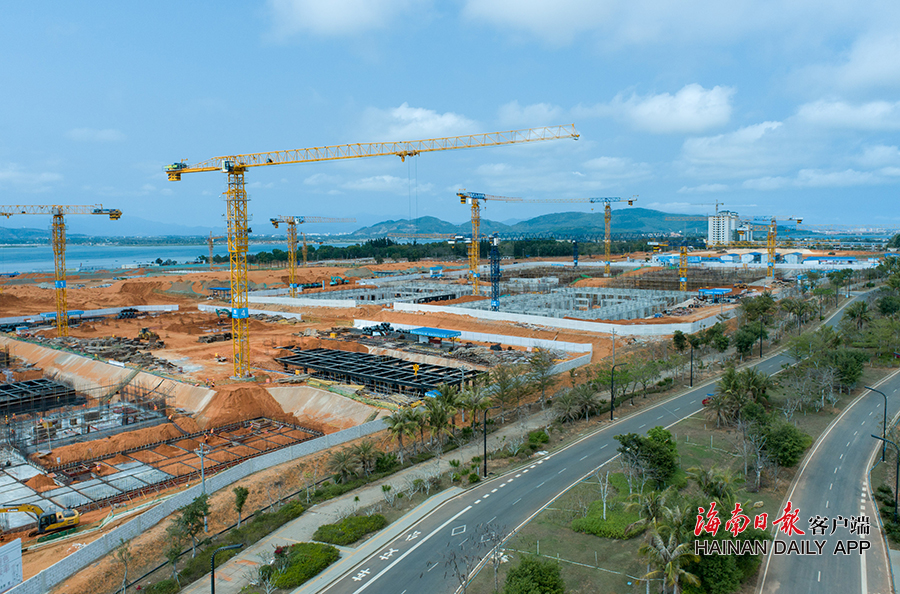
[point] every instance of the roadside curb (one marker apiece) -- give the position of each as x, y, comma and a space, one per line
337, 570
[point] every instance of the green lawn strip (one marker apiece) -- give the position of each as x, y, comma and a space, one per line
349, 530
300, 562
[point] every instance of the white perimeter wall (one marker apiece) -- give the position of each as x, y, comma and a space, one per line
637, 329
283, 314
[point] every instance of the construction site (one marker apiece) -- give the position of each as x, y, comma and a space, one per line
122, 391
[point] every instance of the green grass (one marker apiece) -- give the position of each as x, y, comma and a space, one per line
349, 530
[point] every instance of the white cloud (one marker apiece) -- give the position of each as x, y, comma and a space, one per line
703, 188
384, 183
618, 23
692, 109
871, 62
815, 178
92, 135
875, 115
879, 155
617, 168
750, 151
14, 176
334, 18
321, 179
538, 114
412, 123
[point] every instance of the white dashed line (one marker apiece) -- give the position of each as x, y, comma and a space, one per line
829, 486
492, 519
486, 495
642, 426
561, 471
509, 481
826, 505
524, 471
493, 490
540, 485
583, 457
659, 417
842, 457
477, 502
518, 475
517, 500
604, 445
503, 485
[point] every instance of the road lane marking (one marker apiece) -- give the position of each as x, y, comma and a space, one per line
492, 519
493, 490
432, 567
829, 487
501, 486
842, 457
659, 417
848, 444
583, 457
518, 475
524, 471
477, 502
642, 426
692, 401
561, 471
517, 500
835, 470
820, 577
826, 505
509, 481
855, 432
540, 485
486, 495
604, 445
413, 548
677, 409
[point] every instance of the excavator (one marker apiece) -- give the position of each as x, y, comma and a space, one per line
47, 521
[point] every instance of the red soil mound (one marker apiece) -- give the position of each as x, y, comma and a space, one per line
108, 446
241, 402
41, 483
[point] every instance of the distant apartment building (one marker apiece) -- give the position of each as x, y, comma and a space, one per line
722, 227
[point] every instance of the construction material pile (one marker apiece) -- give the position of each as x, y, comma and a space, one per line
124, 350
491, 357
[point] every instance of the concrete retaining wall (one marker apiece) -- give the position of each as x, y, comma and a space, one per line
571, 364
95, 312
304, 301
266, 312
600, 327
61, 570
569, 347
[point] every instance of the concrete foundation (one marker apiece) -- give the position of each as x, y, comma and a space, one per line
408, 293
589, 303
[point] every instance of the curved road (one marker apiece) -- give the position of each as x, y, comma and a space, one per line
414, 562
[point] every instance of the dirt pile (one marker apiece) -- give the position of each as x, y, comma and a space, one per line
41, 483
107, 446
241, 402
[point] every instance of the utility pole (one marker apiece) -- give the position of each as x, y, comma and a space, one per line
202, 451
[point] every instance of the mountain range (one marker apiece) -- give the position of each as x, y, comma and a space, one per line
631, 220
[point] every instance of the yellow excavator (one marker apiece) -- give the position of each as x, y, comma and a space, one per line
47, 521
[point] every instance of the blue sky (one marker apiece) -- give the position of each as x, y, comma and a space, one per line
785, 108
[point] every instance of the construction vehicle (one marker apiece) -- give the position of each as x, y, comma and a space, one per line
58, 241
217, 337
223, 312
292, 223
150, 336
47, 521
236, 166
337, 280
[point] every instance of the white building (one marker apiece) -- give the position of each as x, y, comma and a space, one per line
722, 227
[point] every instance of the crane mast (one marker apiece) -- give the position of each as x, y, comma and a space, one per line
235, 166
58, 241
292, 223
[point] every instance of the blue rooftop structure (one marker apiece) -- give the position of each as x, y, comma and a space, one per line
435, 333
715, 292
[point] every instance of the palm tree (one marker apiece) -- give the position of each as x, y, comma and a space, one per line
438, 417
858, 313
718, 407
473, 399
755, 383
566, 405
715, 483
449, 397
649, 506
399, 427
365, 455
418, 420
343, 464
669, 557
586, 400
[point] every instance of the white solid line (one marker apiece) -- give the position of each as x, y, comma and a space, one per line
413, 548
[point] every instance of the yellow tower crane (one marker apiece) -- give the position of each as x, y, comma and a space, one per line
236, 166
210, 241
58, 241
474, 199
292, 223
770, 224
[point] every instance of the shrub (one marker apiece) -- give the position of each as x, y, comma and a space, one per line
169, 586
302, 561
349, 530
538, 437
473, 478
534, 575
386, 462
786, 443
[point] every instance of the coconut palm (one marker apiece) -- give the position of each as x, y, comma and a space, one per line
400, 426
858, 313
449, 398
586, 400
565, 405
669, 557
755, 384
649, 506
418, 420
507, 386
365, 455
473, 399
343, 464
715, 483
438, 416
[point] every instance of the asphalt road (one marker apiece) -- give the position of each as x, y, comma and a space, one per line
416, 561
832, 484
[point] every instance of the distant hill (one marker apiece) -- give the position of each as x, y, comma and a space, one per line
626, 220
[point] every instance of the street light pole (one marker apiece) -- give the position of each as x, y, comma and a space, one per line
212, 565
202, 451
612, 390
896, 472
884, 427
485, 437
692, 364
